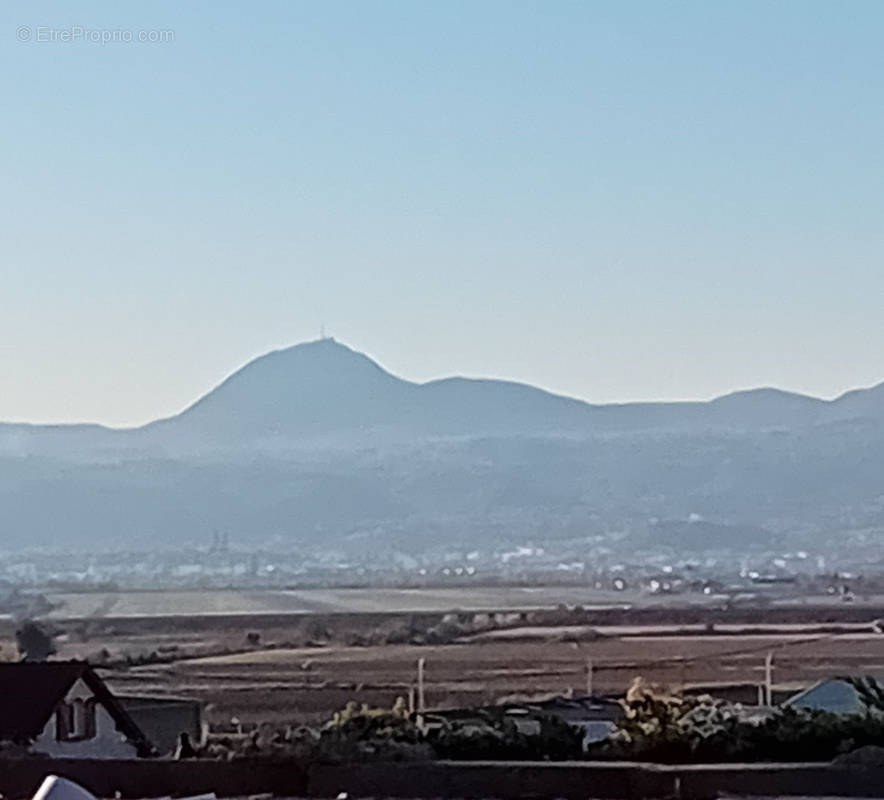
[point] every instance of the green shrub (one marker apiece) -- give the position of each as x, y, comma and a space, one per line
666, 728
497, 737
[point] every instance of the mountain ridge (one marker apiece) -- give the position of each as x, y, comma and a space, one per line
333, 367
330, 386
317, 443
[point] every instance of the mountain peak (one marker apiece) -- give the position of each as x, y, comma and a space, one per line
325, 346
307, 386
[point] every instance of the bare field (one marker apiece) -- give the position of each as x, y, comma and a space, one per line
310, 683
243, 653
70, 605
301, 602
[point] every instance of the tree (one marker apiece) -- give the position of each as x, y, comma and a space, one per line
870, 692
34, 642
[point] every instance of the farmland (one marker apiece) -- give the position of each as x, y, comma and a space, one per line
293, 656
297, 602
310, 683
328, 601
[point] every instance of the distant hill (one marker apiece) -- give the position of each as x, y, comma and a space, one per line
324, 387
319, 442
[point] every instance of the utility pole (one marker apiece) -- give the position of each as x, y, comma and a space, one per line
421, 698
768, 679
589, 677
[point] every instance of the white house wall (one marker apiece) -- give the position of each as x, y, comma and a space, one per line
108, 742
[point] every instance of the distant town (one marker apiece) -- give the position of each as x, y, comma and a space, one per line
597, 563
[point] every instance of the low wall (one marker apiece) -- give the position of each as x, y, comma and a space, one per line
490, 779
19, 778
702, 781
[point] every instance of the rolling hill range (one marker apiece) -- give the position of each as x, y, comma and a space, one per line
319, 443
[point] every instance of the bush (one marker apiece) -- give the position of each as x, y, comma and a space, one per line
34, 641
354, 734
359, 733
666, 728
498, 737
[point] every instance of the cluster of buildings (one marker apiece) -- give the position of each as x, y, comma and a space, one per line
593, 562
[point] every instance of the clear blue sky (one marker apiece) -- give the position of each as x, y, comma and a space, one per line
612, 200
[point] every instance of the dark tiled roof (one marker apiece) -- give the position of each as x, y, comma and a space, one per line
31, 691
585, 706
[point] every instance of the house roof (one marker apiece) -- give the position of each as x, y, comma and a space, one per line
31, 691
830, 694
837, 694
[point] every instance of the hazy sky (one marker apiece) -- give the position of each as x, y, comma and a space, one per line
611, 200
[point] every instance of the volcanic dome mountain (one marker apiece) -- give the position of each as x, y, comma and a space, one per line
325, 387
317, 441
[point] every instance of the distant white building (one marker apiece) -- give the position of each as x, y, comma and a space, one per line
64, 710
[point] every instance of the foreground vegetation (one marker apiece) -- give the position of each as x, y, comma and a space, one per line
364, 734
657, 726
